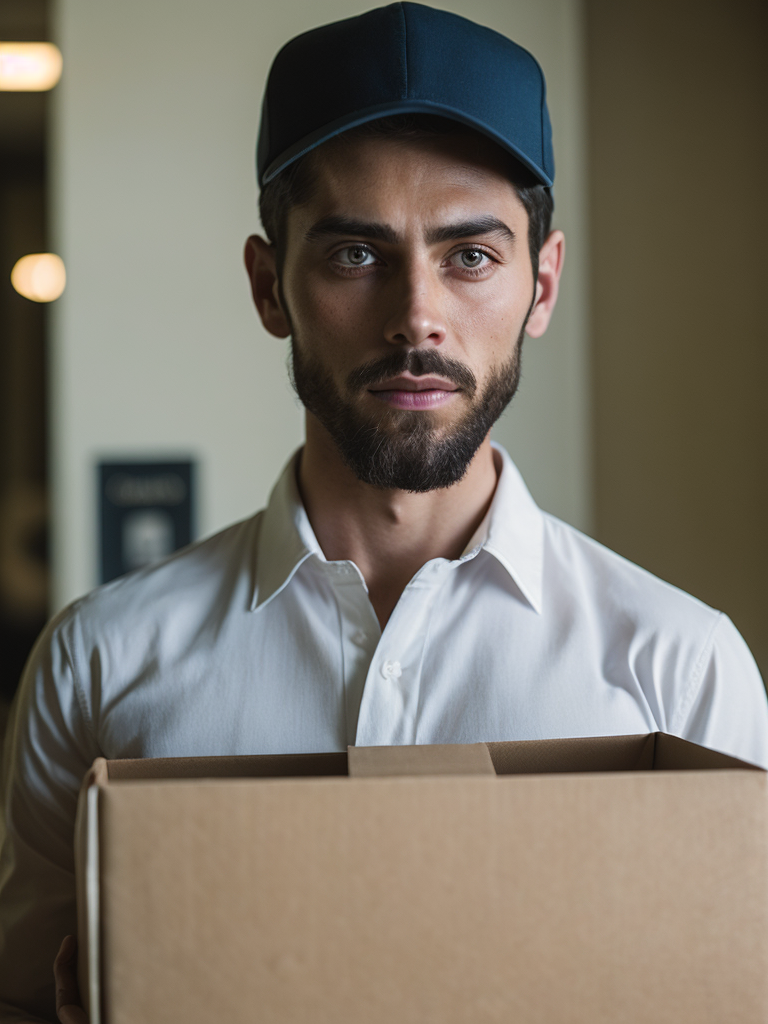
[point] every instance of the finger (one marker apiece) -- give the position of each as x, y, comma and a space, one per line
67, 950
67, 992
72, 1015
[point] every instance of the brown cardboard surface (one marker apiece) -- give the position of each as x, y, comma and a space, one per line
561, 898
435, 759
86, 883
674, 754
651, 751
581, 754
242, 766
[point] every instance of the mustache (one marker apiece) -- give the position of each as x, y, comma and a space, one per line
419, 364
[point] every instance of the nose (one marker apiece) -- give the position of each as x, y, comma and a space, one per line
416, 315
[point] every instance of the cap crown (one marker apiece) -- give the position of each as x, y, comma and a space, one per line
404, 58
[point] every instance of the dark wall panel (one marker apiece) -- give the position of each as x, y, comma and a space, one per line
677, 97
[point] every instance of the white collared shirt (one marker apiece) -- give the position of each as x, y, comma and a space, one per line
252, 642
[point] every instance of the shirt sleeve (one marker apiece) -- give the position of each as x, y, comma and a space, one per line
726, 707
48, 748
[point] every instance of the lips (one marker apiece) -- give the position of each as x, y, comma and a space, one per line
415, 392
414, 384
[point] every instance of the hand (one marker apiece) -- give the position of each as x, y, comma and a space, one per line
68, 1007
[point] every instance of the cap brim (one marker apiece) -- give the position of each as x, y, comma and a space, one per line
343, 124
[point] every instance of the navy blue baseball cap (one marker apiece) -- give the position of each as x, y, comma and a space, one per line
403, 59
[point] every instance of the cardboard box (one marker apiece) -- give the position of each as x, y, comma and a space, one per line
621, 880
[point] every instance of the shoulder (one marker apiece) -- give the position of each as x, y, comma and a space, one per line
688, 658
618, 590
180, 592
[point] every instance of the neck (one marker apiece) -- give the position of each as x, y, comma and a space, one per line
389, 534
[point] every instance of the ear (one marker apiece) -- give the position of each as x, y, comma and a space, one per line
262, 273
547, 284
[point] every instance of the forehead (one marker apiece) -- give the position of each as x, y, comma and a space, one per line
407, 182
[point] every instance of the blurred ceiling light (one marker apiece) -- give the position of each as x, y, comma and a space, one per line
40, 276
29, 67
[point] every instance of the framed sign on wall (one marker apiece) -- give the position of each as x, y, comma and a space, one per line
145, 513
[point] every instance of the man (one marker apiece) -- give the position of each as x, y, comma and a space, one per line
402, 586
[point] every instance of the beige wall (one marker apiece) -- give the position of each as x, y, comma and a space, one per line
156, 349
677, 99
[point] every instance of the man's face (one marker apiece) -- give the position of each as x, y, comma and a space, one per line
407, 282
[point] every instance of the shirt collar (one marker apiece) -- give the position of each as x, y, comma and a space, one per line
286, 539
512, 532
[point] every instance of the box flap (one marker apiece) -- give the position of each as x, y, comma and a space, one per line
436, 759
675, 754
647, 752
240, 767
87, 887
579, 754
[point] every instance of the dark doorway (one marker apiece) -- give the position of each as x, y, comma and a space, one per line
23, 360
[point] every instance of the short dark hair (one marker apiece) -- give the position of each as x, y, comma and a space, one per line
294, 185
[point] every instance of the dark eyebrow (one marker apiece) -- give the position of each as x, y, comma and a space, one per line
467, 228
345, 226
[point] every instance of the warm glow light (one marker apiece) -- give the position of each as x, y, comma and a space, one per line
29, 67
40, 277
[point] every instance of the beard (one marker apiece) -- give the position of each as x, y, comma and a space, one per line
404, 449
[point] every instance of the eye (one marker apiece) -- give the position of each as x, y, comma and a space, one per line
471, 259
355, 256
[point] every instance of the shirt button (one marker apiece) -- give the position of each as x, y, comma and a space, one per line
360, 636
391, 669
